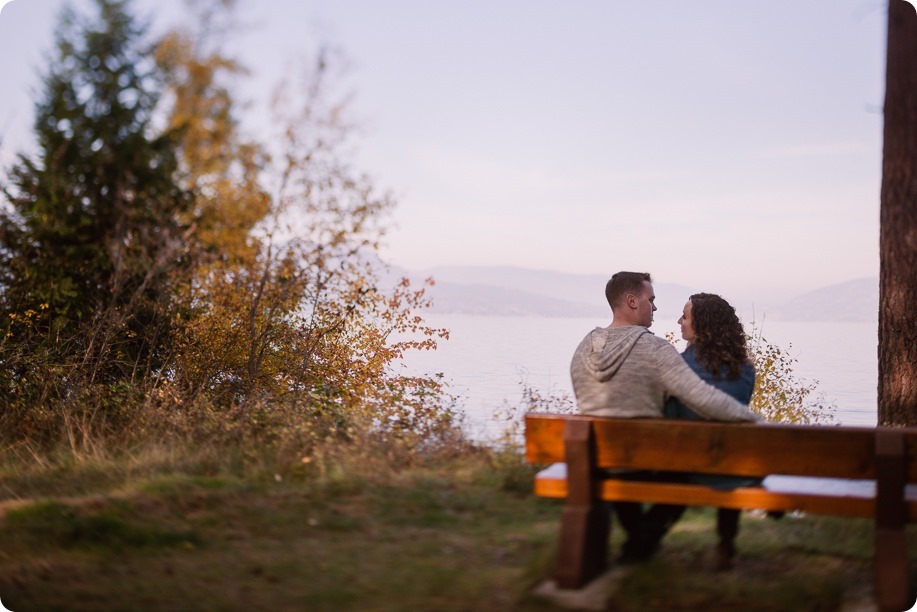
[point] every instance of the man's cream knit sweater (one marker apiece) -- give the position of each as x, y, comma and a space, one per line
629, 372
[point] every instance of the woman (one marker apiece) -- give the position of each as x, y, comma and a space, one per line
718, 352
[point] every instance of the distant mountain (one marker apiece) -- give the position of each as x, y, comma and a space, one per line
558, 285
856, 300
489, 300
503, 290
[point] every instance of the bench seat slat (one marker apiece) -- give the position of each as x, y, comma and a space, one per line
813, 495
727, 448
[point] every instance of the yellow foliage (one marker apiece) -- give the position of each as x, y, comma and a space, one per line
284, 300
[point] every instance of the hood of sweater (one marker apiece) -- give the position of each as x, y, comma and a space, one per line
609, 348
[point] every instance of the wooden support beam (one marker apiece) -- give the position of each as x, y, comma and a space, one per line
585, 524
891, 540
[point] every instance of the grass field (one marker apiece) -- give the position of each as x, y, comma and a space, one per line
461, 533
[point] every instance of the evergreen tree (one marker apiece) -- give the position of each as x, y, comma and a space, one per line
92, 235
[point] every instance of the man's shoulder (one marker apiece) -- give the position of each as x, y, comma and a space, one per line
652, 340
592, 332
658, 349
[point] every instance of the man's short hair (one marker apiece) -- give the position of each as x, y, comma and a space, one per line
623, 283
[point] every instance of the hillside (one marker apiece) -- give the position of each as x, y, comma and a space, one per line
856, 300
521, 291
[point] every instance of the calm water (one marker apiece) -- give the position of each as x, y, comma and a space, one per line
489, 358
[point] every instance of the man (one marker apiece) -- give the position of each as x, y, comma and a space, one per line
623, 370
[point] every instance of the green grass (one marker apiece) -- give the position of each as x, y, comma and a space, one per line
446, 538
462, 533
796, 563
115, 526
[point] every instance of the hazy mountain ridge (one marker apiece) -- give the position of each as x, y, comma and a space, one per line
479, 290
489, 300
520, 291
855, 300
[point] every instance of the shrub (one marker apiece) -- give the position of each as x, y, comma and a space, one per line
779, 395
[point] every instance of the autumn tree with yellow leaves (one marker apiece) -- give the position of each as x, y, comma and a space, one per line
270, 309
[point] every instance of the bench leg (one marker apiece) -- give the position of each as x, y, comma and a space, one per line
585, 526
583, 550
891, 570
891, 539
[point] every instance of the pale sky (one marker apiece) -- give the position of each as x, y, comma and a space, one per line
731, 145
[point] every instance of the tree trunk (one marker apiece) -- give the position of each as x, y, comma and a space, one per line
898, 230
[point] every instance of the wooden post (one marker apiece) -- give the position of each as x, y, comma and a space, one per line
891, 541
585, 526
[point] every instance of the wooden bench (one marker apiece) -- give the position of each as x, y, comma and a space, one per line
842, 471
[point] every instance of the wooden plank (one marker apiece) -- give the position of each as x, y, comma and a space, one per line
544, 438
813, 495
749, 450
704, 446
746, 498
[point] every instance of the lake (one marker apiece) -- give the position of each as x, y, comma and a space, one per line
488, 359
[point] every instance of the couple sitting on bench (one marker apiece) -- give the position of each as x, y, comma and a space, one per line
623, 370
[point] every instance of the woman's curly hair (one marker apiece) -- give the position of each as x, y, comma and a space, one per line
719, 338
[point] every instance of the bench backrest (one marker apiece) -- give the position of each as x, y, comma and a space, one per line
725, 448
